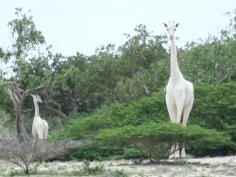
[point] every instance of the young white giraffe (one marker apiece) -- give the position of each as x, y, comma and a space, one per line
40, 126
179, 92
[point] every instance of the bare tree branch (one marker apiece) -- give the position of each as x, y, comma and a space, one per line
28, 155
57, 111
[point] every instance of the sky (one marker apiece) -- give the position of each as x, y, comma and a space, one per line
72, 26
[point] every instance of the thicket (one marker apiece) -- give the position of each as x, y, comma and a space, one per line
153, 141
210, 130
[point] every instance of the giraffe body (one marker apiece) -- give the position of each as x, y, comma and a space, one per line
179, 100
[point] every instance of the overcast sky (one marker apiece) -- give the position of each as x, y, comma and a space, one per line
84, 25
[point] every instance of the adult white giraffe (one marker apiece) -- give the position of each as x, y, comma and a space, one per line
179, 92
39, 126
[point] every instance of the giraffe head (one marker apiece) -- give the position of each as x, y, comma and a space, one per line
36, 98
171, 28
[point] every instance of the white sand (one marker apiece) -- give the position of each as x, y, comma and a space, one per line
194, 167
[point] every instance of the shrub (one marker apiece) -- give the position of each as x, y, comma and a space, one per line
30, 153
116, 115
214, 108
153, 140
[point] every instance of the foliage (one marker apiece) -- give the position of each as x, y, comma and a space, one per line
216, 102
211, 62
214, 106
142, 49
144, 83
150, 114
27, 40
116, 115
154, 140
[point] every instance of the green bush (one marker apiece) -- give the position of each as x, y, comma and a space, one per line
154, 140
95, 152
214, 108
116, 115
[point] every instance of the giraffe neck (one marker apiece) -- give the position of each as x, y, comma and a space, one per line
36, 108
175, 72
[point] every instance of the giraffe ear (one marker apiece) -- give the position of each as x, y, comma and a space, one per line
165, 25
177, 25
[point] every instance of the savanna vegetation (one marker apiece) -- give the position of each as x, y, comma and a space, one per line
115, 98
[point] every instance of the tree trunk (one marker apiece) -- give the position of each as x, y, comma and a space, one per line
18, 100
18, 123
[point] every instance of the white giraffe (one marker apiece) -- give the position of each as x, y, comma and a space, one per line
179, 92
40, 126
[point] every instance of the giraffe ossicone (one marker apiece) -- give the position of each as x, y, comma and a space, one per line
179, 91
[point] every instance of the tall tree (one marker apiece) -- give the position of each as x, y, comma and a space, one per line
27, 41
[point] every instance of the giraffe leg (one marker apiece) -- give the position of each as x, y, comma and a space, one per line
173, 151
172, 112
186, 113
180, 106
182, 152
179, 111
177, 151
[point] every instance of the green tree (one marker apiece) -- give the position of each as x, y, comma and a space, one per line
61, 93
212, 60
141, 50
27, 41
143, 63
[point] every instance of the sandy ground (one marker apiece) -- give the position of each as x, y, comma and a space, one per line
194, 167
